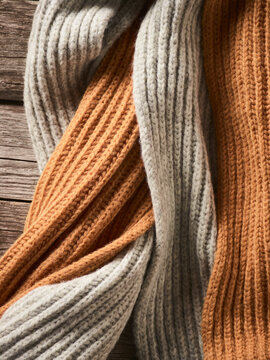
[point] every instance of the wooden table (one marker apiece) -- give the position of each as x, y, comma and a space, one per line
18, 167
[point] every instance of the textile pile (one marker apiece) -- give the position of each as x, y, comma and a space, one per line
150, 122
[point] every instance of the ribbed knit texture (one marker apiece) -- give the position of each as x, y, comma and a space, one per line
68, 39
236, 315
77, 319
174, 120
92, 198
175, 134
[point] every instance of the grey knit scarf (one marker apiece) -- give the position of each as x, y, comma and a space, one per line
163, 276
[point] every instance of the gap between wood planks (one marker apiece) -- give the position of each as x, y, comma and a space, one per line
18, 172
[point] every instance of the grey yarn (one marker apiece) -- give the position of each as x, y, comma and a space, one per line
67, 41
78, 319
54, 322
174, 119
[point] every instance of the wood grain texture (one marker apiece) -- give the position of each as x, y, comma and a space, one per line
15, 141
18, 169
15, 25
7, 238
12, 217
17, 179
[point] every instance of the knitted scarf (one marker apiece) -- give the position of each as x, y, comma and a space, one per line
92, 198
236, 316
175, 126
163, 275
67, 41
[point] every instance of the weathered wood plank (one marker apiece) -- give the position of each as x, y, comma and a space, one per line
12, 218
7, 238
17, 179
15, 25
13, 215
15, 142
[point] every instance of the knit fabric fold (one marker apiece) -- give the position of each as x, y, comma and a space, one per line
67, 41
92, 198
164, 274
77, 319
236, 315
175, 127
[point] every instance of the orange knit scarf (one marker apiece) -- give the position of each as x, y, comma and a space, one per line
92, 199
236, 41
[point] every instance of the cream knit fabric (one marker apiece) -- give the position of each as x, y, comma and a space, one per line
175, 123
83, 318
79, 319
68, 39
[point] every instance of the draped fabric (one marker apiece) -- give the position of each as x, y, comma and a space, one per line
123, 220
236, 316
92, 198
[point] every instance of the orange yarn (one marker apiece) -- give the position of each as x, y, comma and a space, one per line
236, 315
92, 199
